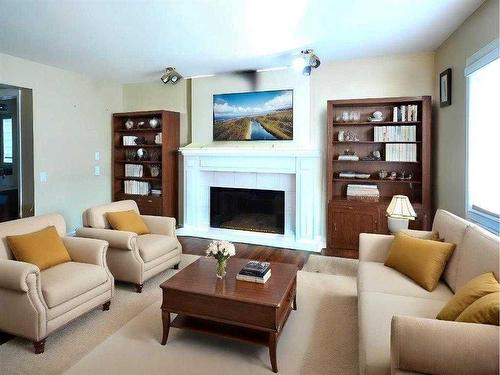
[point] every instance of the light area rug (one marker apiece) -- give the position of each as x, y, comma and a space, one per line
319, 338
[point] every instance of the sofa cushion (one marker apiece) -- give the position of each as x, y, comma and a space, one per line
375, 312
483, 311
128, 221
43, 248
479, 253
152, 246
451, 228
375, 277
421, 260
476, 288
68, 280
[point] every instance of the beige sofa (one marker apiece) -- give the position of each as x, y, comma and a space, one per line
133, 258
397, 330
35, 303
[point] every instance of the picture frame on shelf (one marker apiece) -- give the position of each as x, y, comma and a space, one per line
445, 88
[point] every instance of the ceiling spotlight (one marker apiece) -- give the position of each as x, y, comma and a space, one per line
306, 61
171, 76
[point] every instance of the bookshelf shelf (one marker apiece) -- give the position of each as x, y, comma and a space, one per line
165, 204
349, 216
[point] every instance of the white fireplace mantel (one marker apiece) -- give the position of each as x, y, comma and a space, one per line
295, 171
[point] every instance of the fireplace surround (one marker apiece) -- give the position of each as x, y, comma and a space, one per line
294, 172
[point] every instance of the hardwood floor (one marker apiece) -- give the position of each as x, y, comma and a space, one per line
197, 246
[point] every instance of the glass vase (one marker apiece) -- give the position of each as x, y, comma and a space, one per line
221, 268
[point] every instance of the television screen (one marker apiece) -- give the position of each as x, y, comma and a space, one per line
253, 116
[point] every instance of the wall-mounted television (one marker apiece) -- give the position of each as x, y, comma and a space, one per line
253, 116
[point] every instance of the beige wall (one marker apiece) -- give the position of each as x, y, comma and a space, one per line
449, 172
71, 120
150, 96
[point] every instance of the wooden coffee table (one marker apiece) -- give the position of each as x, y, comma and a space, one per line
240, 310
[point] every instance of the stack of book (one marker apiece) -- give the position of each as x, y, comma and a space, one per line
401, 152
256, 272
362, 191
349, 157
395, 133
405, 113
133, 170
136, 187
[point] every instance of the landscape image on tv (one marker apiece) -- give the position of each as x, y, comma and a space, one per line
254, 116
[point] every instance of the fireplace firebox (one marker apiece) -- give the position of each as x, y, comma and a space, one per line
247, 209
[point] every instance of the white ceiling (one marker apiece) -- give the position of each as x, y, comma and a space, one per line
134, 40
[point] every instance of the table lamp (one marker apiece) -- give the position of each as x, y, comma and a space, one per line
399, 212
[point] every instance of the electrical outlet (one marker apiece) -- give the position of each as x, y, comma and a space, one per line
97, 170
97, 156
44, 176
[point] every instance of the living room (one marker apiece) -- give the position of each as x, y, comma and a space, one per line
180, 195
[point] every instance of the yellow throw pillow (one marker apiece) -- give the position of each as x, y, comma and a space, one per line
423, 261
468, 294
129, 221
43, 248
485, 310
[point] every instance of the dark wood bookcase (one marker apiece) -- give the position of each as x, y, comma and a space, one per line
165, 204
348, 217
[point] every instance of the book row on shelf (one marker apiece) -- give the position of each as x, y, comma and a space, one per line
401, 152
136, 187
405, 113
395, 133
134, 170
362, 191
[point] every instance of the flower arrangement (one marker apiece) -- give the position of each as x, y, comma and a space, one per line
221, 251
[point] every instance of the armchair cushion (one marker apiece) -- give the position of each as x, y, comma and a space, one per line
68, 280
152, 246
43, 248
129, 221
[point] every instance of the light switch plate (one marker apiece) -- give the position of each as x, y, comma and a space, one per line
43, 177
97, 156
97, 170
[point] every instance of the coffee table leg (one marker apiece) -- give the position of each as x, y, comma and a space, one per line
273, 341
165, 316
294, 306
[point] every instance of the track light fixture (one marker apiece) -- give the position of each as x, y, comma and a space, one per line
306, 61
171, 76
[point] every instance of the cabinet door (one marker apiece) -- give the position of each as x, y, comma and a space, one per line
348, 224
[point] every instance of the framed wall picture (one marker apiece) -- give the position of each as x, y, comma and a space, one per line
445, 88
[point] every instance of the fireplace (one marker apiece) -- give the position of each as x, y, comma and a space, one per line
247, 209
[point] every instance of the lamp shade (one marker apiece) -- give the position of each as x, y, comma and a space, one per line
401, 208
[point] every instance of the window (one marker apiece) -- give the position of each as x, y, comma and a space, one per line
483, 138
7, 140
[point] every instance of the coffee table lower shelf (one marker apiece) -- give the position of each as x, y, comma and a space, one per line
221, 329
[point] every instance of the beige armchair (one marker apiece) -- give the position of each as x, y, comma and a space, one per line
133, 258
35, 303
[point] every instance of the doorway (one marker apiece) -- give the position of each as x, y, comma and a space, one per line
16, 153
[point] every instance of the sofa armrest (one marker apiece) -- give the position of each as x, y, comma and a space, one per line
160, 224
116, 238
432, 346
86, 250
374, 247
14, 274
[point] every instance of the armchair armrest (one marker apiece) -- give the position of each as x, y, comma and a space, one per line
432, 346
14, 274
86, 250
116, 238
160, 224
374, 247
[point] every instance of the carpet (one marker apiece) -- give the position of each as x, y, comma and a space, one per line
319, 338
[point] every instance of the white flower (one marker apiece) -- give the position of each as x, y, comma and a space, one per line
224, 249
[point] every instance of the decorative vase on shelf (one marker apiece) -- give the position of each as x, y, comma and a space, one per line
221, 251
